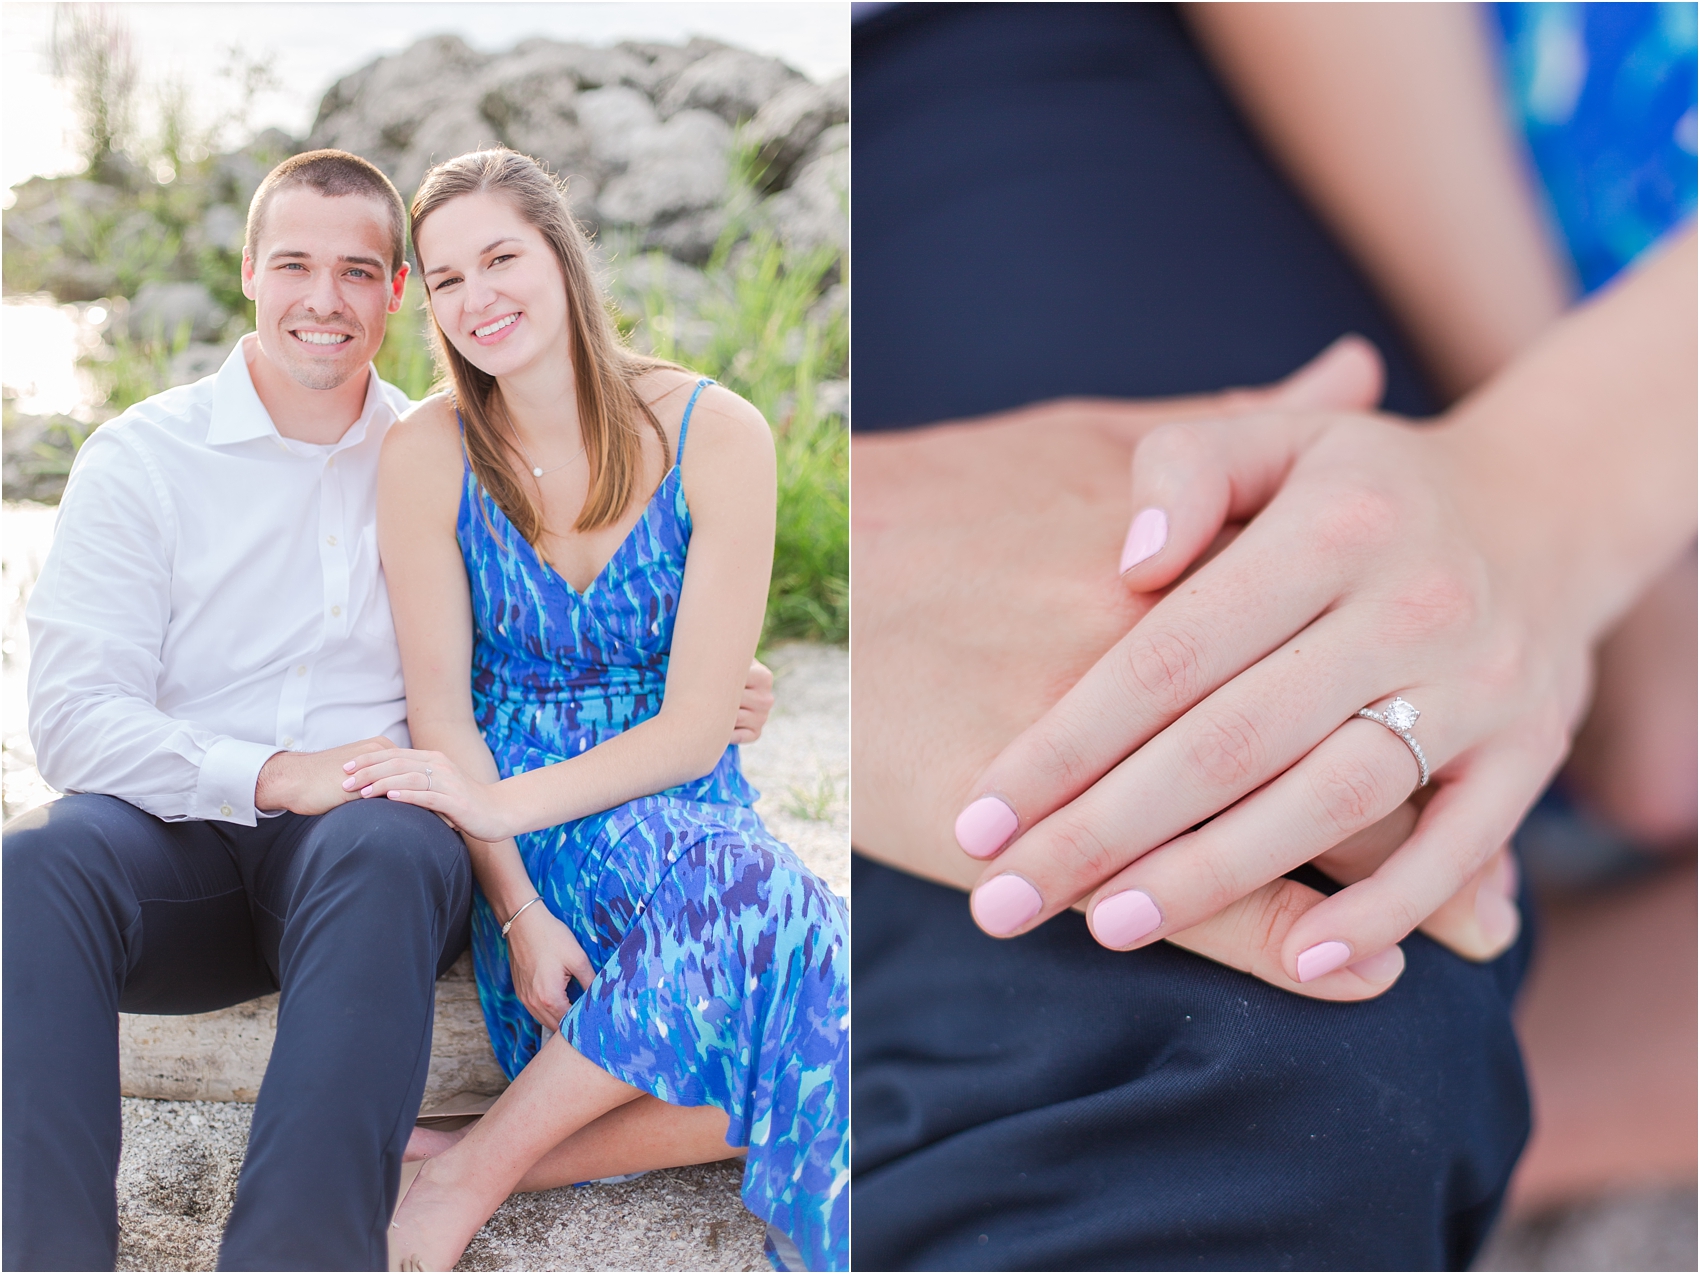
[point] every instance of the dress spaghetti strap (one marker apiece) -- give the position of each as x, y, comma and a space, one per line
685, 423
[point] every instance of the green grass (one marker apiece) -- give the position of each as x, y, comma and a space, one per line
404, 359
769, 348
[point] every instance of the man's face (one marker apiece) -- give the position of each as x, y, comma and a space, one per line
319, 279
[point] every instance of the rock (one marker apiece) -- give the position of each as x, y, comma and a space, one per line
832, 398
681, 166
729, 82
788, 123
814, 212
223, 226
222, 1056
666, 61
655, 276
159, 311
406, 111
690, 237
614, 119
195, 361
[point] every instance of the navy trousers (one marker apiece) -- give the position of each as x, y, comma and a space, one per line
1059, 200
352, 915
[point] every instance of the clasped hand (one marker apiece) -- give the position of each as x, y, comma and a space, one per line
1216, 747
430, 779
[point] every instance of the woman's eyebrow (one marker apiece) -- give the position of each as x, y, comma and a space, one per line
495, 243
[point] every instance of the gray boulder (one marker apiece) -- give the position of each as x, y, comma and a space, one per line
814, 211
159, 310
680, 167
730, 82
615, 121
789, 122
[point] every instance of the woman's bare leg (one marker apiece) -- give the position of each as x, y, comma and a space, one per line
640, 1136
558, 1093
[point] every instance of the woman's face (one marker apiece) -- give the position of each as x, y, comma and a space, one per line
495, 285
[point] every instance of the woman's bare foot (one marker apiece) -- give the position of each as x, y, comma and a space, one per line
435, 1222
426, 1142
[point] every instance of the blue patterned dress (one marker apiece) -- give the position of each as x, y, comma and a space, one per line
722, 961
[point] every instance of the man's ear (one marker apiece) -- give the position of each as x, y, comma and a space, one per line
247, 274
398, 286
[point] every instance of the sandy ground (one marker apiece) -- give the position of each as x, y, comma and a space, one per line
178, 1175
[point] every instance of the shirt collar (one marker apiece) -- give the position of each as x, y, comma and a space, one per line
238, 415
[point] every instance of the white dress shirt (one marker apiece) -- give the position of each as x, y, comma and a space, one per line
212, 597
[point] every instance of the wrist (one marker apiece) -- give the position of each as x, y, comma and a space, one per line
275, 787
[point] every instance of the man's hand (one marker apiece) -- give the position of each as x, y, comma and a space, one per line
310, 782
755, 704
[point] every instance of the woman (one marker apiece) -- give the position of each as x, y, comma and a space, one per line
577, 542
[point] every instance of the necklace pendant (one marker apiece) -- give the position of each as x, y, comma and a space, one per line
536, 472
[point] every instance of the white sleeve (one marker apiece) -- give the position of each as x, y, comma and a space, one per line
97, 624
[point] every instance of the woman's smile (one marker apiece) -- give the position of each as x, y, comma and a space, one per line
498, 330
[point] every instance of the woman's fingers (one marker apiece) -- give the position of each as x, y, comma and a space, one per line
1468, 820
1351, 782
1248, 935
1189, 480
1225, 620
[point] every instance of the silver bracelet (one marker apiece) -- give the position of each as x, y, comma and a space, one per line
518, 914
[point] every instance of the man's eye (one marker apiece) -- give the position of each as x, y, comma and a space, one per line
361, 274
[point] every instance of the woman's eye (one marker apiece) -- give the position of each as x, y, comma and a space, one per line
506, 256
444, 283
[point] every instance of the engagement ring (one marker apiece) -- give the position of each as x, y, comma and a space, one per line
1399, 717
428, 772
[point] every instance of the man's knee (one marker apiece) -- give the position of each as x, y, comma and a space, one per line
67, 845
392, 845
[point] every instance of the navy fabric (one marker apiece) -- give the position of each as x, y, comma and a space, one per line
1055, 200
352, 915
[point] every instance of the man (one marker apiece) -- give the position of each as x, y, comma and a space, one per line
211, 640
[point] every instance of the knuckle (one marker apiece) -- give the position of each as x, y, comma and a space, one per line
1350, 794
1169, 444
1434, 605
1055, 758
1076, 845
1277, 911
1356, 519
1164, 667
1226, 746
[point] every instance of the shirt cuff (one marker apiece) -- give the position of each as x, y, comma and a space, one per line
229, 771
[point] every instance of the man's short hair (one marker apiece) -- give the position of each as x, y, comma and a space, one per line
334, 173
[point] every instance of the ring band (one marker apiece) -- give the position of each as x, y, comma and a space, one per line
427, 778
1399, 717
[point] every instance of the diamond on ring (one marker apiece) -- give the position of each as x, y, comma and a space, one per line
1399, 717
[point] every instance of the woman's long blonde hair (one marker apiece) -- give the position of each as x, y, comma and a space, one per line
611, 415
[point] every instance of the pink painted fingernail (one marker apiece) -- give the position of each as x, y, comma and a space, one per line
1003, 904
1149, 532
348, 785
1324, 957
985, 827
1123, 919
348, 767
1383, 966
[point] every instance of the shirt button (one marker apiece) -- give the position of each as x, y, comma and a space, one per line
301, 670
331, 540
225, 810
336, 610
288, 742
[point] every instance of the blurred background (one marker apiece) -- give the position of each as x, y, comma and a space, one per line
705, 146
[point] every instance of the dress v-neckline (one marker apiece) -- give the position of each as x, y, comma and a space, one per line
550, 569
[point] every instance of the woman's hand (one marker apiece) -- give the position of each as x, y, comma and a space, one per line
542, 955
1359, 578
432, 780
